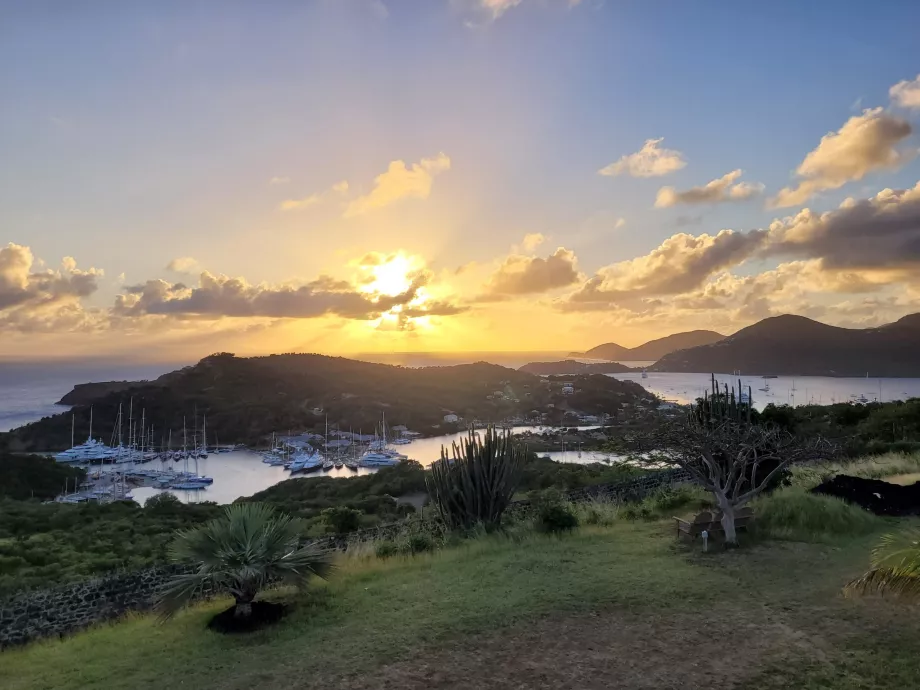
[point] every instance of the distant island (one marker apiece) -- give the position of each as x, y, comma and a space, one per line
247, 399
798, 346
571, 366
653, 350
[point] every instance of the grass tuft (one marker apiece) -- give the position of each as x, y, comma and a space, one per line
795, 514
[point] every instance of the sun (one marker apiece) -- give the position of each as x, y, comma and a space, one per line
392, 277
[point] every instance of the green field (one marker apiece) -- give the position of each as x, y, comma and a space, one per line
624, 603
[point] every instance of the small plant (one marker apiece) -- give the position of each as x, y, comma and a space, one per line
385, 549
248, 548
556, 518
419, 543
342, 519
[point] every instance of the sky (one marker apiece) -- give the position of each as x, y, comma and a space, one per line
342, 176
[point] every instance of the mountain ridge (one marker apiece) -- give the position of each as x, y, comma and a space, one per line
793, 345
653, 350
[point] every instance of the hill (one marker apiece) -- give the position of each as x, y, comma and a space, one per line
246, 399
654, 349
798, 346
570, 366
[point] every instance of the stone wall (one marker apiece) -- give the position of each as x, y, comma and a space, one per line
62, 610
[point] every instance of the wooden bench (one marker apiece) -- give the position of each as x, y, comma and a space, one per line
712, 522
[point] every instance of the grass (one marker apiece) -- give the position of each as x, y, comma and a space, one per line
794, 513
473, 598
870, 467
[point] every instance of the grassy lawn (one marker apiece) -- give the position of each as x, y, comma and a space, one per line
777, 604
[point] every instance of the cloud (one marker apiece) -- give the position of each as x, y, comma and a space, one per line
279, 180
866, 143
619, 223
532, 241
680, 264
498, 7
295, 204
219, 296
184, 264
42, 300
717, 191
339, 188
881, 233
524, 275
906, 93
649, 161
400, 182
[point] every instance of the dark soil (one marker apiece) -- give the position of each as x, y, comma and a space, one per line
263, 613
874, 495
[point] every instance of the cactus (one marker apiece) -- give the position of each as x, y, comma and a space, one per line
476, 484
722, 406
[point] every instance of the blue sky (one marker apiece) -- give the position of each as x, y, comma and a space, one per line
135, 133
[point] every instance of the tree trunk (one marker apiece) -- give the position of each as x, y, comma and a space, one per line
728, 524
243, 608
728, 519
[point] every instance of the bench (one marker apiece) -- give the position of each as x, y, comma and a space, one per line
712, 522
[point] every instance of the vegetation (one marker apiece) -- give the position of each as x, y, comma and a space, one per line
42, 544
799, 515
895, 567
246, 399
727, 454
248, 548
526, 610
35, 476
475, 485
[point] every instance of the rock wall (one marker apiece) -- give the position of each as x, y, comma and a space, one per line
62, 610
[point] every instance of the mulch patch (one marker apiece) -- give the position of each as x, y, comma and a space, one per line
263, 613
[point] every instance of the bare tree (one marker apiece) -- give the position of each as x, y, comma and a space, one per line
734, 461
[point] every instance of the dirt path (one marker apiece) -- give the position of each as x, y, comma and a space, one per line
609, 650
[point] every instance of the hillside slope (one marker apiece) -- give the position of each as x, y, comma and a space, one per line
246, 399
798, 346
654, 349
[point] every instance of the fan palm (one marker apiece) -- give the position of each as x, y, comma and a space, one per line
249, 547
895, 567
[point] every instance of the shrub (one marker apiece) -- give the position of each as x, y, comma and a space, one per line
342, 519
557, 518
636, 511
164, 502
418, 543
794, 513
385, 549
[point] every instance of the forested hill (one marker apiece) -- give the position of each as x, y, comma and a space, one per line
246, 399
797, 346
571, 366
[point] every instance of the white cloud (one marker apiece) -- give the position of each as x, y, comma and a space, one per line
400, 182
906, 93
184, 264
717, 191
295, 204
524, 275
340, 187
620, 222
279, 180
532, 241
866, 143
649, 161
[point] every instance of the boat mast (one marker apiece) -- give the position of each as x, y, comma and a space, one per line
91, 422
73, 426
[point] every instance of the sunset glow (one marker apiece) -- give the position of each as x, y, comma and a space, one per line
369, 175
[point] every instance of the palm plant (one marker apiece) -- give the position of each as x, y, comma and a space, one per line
476, 484
246, 549
895, 567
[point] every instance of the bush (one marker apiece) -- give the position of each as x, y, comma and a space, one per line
556, 518
796, 514
164, 502
342, 519
418, 543
385, 549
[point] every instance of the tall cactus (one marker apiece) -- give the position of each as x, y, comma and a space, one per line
722, 406
476, 483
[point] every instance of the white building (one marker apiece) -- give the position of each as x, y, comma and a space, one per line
451, 418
